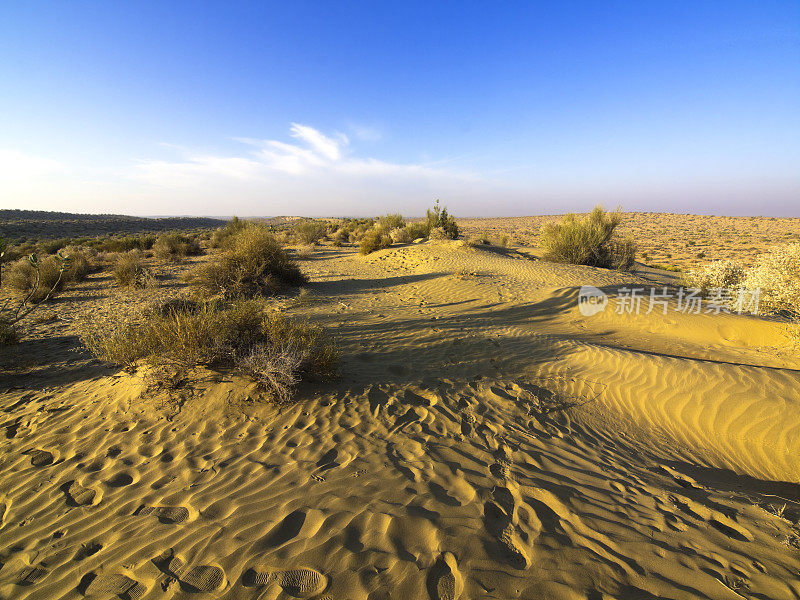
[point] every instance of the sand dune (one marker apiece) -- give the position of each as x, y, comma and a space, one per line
485, 440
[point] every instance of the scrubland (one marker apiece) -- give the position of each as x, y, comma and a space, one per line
402, 408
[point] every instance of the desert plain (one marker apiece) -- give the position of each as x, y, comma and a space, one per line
483, 439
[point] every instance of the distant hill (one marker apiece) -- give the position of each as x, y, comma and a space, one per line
38, 224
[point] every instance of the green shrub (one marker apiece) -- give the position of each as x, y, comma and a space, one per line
589, 240
231, 228
374, 240
253, 262
438, 218
242, 336
174, 246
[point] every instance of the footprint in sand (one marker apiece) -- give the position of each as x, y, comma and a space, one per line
5, 505
200, 578
31, 575
165, 514
445, 582
77, 495
498, 519
301, 583
115, 584
41, 458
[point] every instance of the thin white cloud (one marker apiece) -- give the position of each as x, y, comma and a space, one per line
315, 156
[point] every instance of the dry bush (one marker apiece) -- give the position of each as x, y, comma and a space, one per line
253, 262
21, 277
174, 246
9, 334
220, 236
777, 275
305, 252
80, 265
341, 236
437, 233
400, 236
718, 274
389, 222
589, 240
416, 231
273, 350
130, 270
310, 232
374, 240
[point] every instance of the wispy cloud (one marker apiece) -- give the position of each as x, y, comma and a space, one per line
313, 155
20, 166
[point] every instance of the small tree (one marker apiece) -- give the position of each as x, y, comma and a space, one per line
438, 217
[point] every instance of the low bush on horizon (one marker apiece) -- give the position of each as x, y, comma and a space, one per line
252, 262
242, 336
591, 240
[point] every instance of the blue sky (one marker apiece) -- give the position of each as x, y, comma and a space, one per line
334, 108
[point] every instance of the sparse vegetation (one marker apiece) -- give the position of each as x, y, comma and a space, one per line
252, 262
394, 221
589, 240
777, 275
242, 336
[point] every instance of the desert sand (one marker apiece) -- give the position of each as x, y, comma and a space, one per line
484, 440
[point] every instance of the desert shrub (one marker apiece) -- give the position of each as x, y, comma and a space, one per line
416, 231
231, 228
253, 262
479, 240
341, 236
439, 218
275, 351
9, 333
589, 240
438, 233
53, 246
399, 235
174, 246
389, 222
130, 270
310, 232
374, 240
718, 274
22, 277
80, 265
777, 275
